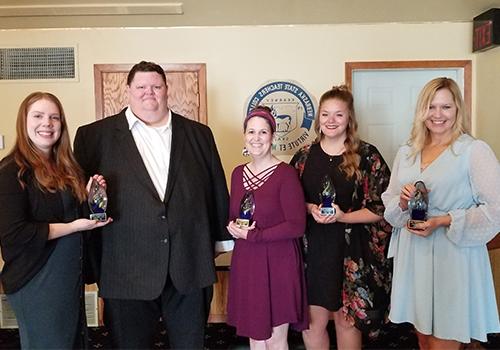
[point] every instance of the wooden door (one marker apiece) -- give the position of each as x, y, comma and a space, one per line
187, 89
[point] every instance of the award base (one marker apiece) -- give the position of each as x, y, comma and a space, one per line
242, 223
98, 216
413, 223
325, 211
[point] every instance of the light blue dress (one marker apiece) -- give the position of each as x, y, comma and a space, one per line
442, 283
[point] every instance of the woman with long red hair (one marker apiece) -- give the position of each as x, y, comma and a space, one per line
42, 191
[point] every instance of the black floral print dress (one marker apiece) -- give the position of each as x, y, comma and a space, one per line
346, 264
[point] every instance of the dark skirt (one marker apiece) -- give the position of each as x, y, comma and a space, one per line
325, 264
49, 307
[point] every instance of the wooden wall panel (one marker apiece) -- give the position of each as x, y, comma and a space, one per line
187, 93
218, 312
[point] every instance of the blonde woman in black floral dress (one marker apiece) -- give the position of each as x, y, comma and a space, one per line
347, 272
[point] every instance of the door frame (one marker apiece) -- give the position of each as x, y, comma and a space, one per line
466, 65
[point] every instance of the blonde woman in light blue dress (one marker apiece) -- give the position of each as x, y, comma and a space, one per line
442, 282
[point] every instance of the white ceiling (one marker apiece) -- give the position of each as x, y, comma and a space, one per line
93, 13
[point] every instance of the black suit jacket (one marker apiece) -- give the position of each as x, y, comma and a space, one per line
150, 239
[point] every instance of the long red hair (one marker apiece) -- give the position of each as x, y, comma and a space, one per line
61, 171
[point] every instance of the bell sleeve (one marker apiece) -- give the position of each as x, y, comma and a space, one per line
480, 223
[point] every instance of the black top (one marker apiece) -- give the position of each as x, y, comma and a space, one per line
24, 224
325, 243
320, 164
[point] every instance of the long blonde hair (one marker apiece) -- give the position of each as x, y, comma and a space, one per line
351, 157
61, 171
420, 135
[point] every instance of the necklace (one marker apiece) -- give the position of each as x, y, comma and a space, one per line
332, 157
333, 153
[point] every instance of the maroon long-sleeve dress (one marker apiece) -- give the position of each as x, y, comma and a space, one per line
267, 285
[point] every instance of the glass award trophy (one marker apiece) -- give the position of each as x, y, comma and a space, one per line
418, 205
247, 208
327, 196
98, 201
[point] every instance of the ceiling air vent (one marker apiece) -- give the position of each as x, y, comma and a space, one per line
31, 63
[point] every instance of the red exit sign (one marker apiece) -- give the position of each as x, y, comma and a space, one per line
486, 30
483, 35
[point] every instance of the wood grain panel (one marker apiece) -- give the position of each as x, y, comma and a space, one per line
494, 244
219, 301
183, 97
187, 93
114, 92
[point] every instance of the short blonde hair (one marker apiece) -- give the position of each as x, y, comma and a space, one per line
419, 136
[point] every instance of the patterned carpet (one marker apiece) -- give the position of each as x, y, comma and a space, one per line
220, 336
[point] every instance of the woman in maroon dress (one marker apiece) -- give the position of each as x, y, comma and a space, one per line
267, 288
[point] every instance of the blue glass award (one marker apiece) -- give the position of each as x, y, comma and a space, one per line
247, 208
98, 202
418, 205
327, 196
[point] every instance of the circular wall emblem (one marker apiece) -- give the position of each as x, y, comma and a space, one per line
294, 110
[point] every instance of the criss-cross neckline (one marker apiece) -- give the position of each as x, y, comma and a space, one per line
252, 182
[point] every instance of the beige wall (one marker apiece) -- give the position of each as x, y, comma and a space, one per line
488, 120
488, 97
238, 60
234, 12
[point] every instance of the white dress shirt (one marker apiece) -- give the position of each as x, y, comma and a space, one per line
154, 145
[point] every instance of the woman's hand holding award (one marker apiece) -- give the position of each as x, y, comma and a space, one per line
418, 205
98, 201
327, 197
247, 208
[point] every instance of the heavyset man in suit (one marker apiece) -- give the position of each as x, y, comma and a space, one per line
168, 198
